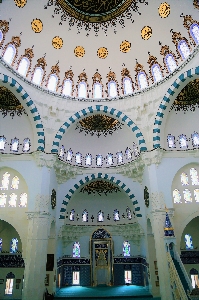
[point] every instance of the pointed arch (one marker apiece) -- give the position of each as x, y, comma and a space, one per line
91, 177
167, 101
29, 106
103, 109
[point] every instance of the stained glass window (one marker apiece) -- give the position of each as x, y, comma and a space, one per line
5, 181
38, 75
85, 216
183, 141
61, 152
116, 215
135, 150
183, 49
109, 159
67, 89
119, 157
78, 158
72, 215
52, 83
112, 89
157, 74
13, 200
26, 145
9, 54
128, 153
1, 241
196, 195
126, 248
176, 196
100, 216
14, 245
188, 241
194, 30
88, 159
171, 141
195, 139
2, 143
187, 196
142, 80
170, 62
1, 36
97, 90
128, 212
69, 155
99, 160
76, 249
14, 145
3, 197
194, 176
127, 86
184, 179
82, 90
15, 183
23, 200
23, 66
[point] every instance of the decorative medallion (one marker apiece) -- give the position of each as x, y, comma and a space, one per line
57, 42
164, 10
102, 52
146, 196
196, 4
125, 46
100, 187
79, 51
37, 25
146, 32
98, 124
9, 104
20, 3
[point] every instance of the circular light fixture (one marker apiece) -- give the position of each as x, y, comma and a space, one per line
125, 46
164, 10
146, 32
37, 25
20, 3
102, 52
79, 51
57, 42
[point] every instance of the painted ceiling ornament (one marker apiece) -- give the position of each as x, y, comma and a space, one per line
100, 187
95, 15
102, 52
79, 51
146, 32
37, 25
164, 10
57, 42
53, 199
146, 196
196, 3
125, 46
20, 3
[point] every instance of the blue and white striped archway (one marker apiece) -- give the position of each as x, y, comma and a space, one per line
167, 101
103, 109
91, 177
29, 106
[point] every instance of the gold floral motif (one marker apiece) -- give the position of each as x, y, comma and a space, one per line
102, 52
20, 3
125, 46
57, 42
37, 25
164, 10
146, 32
79, 51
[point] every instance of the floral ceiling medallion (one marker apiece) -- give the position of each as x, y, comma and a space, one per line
95, 15
100, 187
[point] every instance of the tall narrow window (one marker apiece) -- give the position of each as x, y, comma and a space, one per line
183, 141
78, 158
82, 90
157, 74
26, 145
194, 30
72, 215
85, 216
188, 241
2, 143
100, 216
23, 66
9, 54
97, 90
3, 197
196, 195
76, 249
14, 245
99, 160
116, 215
176, 196
127, 83
61, 152
67, 89
135, 150
112, 89
1, 36
23, 200
1, 241
128, 153
69, 155
194, 176
38, 75
184, 179
14, 145
170, 62
128, 212
52, 83
171, 141
187, 196
195, 139
5, 181
119, 157
126, 249
13, 200
142, 80
109, 159
183, 49
88, 159
15, 183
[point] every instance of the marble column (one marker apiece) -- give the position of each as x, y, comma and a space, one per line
36, 255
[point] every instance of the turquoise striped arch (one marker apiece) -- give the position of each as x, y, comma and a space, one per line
103, 109
91, 177
29, 106
167, 101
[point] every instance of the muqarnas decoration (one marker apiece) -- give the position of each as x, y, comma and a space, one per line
100, 187
99, 125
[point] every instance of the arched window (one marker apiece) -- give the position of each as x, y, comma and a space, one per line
61, 152
88, 159
195, 139
194, 176
38, 75
67, 88
187, 196
1, 36
13, 200
170, 62
3, 198
171, 141
14, 145
2, 143
15, 183
128, 212
99, 160
9, 283
1, 241
119, 157
100, 216
85, 216
156, 72
112, 89
52, 83
196, 195
5, 181
76, 249
82, 90
78, 158
128, 153
126, 248
183, 49
116, 215
23, 66
9, 54
23, 200
14, 245
69, 155
188, 241
109, 159
135, 150
97, 90
194, 31
176, 196
72, 215
142, 80
184, 179
183, 141
26, 145
127, 84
